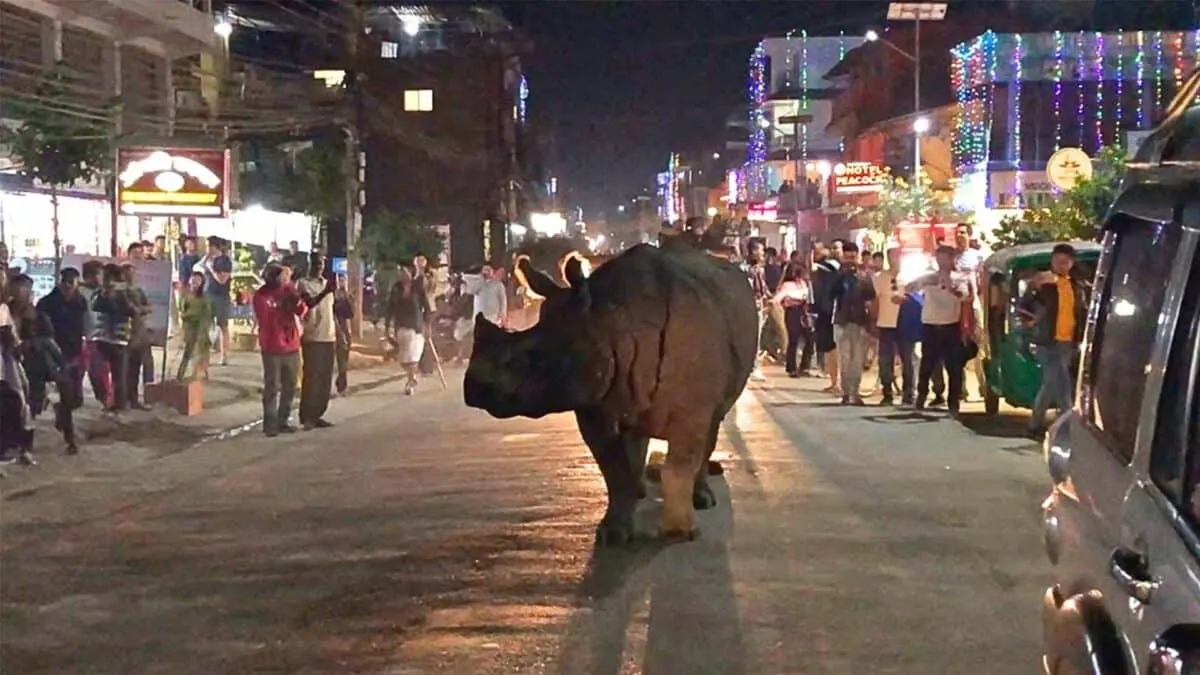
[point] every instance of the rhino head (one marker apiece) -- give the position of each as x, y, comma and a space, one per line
558, 365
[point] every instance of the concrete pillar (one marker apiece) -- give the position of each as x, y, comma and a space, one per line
168, 102
52, 42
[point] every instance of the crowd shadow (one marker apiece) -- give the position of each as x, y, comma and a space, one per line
1001, 425
685, 593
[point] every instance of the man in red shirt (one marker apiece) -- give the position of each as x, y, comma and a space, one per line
276, 308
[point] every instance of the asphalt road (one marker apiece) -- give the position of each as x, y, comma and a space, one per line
421, 537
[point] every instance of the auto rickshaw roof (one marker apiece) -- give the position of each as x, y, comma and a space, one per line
1029, 255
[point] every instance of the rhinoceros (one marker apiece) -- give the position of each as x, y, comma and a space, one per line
653, 344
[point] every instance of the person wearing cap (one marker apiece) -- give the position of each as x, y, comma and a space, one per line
277, 305
1055, 307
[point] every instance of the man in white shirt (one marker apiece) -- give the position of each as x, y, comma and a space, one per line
317, 345
889, 295
491, 298
967, 261
947, 293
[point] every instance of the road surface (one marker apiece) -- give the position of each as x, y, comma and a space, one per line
421, 537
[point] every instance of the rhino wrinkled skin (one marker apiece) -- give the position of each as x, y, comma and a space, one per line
654, 344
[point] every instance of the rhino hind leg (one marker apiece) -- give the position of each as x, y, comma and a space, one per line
684, 484
612, 451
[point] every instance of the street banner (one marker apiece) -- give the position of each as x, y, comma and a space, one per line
155, 278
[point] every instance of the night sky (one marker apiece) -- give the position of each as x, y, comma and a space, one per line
622, 84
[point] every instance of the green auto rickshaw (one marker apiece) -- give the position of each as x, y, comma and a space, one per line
1011, 371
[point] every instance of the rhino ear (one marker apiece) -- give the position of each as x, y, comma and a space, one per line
573, 270
535, 280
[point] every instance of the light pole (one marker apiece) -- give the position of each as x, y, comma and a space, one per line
915, 12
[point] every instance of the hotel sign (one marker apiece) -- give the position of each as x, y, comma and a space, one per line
173, 182
858, 178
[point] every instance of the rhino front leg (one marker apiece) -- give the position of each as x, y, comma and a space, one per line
612, 451
686, 454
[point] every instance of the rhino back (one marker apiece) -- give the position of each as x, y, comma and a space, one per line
682, 326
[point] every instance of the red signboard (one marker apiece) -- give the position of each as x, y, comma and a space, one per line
924, 236
857, 178
173, 182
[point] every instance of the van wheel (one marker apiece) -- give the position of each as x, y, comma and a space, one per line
991, 402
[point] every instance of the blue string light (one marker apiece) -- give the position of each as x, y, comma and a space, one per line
756, 154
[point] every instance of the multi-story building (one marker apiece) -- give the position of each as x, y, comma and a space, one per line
790, 109
1023, 96
118, 57
446, 133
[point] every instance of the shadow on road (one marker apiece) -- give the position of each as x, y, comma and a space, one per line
1004, 425
682, 594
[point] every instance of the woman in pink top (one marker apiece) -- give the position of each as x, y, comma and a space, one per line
795, 294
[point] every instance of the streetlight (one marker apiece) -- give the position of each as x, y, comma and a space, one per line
716, 155
921, 125
223, 28
915, 12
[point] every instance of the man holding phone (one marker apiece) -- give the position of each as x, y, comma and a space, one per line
947, 295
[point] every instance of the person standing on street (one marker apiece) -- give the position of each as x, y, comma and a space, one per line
967, 260
218, 271
889, 297
491, 299
1055, 306
98, 372
756, 273
343, 312
795, 297
116, 308
141, 335
853, 296
824, 273
947, 296
195, 314
68, 312
276, 307
318, 344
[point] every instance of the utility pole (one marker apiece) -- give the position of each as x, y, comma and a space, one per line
355, 164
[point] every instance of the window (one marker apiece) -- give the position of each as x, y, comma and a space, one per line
418, 100
389, 50
1118, 358
1176, 429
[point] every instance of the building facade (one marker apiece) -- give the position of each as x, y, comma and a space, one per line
1023, 96
448, 135
117, 59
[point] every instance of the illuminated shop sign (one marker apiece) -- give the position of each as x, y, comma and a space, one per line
173, 182
858, 178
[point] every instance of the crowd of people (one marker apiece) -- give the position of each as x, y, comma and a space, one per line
837, 314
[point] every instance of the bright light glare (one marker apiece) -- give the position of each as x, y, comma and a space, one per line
712, 211
548, 224
824, 168
411, 25
871, 36
223, 28
921, 125
716, 155
764, 123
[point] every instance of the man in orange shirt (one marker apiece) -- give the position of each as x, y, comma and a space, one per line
1055, 307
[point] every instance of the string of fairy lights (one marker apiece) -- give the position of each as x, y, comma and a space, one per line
1100, 85
1090, 75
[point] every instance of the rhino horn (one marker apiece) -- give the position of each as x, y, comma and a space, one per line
535, 280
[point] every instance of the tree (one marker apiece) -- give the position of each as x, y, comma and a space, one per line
397, 238
901, 200
60, 142
1077, 215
